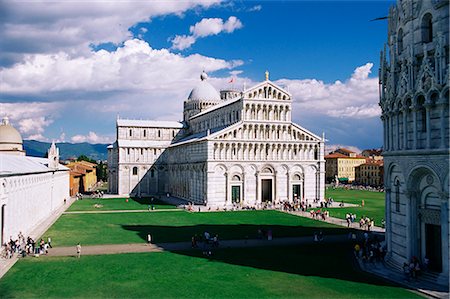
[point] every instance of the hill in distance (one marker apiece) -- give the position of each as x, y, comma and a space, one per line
96, 152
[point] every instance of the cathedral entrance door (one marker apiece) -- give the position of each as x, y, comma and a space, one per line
266, 190
2, 226
296, 193
433, 246
235, 194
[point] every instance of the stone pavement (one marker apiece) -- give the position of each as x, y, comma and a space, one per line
40, 229
424, 286
178, 246
337, 221
122, 211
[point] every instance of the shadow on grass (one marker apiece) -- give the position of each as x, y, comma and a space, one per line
148, 201
163, 234
327, 260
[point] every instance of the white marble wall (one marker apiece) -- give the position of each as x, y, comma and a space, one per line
30, 199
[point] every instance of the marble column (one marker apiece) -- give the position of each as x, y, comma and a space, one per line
414, 113
405, 129
442, 107
388, 219
427, 122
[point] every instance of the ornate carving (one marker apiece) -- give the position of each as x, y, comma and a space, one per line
429, 179
430, 216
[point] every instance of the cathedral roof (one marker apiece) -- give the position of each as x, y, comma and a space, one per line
204, 91
149, 123
9, 135
18, 165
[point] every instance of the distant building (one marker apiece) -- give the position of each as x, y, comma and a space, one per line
370, 173
414, 98
233, 148
31, 188
373, 154
83, 176
341, 164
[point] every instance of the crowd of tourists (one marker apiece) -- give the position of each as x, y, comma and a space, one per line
414, 268
358, 187
319, 214
206, 241
370, 249
23, 247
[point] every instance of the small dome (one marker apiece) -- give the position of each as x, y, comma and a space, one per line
204, 91
10, 138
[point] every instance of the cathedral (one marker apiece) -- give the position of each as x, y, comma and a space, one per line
31, 188
414, 76
232, 148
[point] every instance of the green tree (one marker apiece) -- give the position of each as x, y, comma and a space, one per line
102, 172
86, 158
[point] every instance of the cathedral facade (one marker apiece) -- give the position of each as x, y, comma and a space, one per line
233, 147
414, 76
31, 188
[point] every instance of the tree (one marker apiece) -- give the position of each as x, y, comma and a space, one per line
102, 172
86, 158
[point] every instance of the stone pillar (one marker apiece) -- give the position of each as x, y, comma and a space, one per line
427, 111
405, 129
385, 145
442, 129
445, 235
258, 191
397, 124
226, 187
388, 218
414, 113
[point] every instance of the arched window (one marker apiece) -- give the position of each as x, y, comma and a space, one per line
135, 170
159, 133
427, 28
397, 195
145, 133
131, 132
236, 178
423, 114
400, 41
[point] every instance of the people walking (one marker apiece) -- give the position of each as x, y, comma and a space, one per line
78, 250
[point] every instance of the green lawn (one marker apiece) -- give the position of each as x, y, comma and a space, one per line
119, 228
307, 271
87, 204
374, 204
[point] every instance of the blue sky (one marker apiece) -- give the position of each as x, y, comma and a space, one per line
67, 70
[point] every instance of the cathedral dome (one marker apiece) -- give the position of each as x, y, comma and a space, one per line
10, 138
204, 91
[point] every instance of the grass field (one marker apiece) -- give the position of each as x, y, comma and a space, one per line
307, 271
119, 228
374, 205
87, 204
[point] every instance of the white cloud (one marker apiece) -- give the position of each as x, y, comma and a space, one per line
70, 26
255, 8
133, 67
31, 119
91, 137
206, 27
355, 98
332, 147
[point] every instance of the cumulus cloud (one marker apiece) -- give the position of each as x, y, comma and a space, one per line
355, 98
206, 27
40, 27
31, 119
255, 8
332, 147
133, 67
91, 137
